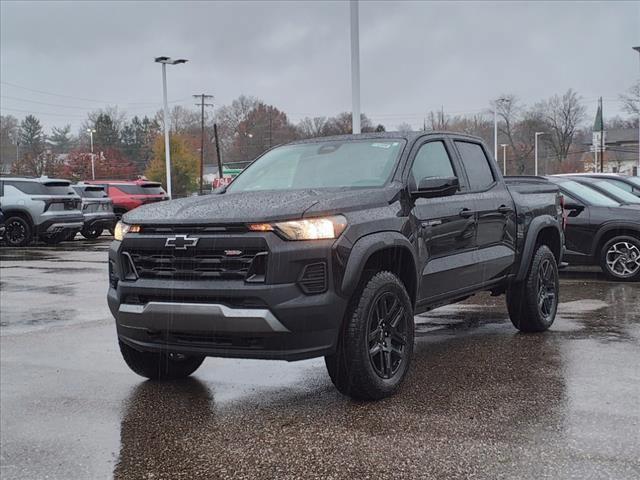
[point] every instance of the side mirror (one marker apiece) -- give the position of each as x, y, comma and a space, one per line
431, 187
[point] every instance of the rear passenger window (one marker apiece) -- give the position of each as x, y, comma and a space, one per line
476, 164
432, 160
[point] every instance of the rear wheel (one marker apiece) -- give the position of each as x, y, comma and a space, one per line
91, 232
533, 303
159, 365
376, 343
18, 232
620, 258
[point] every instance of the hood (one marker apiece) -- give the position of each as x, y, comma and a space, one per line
263, 206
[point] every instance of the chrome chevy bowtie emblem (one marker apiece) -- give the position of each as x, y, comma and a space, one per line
233, 253
181, 242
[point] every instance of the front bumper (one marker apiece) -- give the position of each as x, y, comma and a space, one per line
231, 318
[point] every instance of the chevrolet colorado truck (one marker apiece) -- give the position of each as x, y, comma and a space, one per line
329, 247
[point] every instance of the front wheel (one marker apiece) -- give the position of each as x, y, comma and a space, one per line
533, 303
159, 365
620, 258
375, 346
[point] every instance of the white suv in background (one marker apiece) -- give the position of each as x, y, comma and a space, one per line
42, 207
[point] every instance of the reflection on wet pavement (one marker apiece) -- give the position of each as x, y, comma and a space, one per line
481, 400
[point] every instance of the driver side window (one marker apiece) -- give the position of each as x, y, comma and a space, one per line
432, 160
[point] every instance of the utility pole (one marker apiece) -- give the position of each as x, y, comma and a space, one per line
601, 139
215, 135
203, 97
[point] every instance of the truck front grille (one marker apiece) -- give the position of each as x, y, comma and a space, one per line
187, 266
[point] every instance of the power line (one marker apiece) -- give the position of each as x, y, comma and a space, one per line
41, 113
43, 92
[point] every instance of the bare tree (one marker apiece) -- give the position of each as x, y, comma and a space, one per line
631, 99
562, 116
404, 128
311, 127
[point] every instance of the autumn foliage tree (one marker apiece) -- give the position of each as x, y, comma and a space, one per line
109, 164
185, 166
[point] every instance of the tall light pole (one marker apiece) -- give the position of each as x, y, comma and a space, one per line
355, 68
504, 158
637, 49
93, 166
536, 150
495, 125
167, 154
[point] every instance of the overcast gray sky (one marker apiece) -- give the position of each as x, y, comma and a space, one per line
415, 56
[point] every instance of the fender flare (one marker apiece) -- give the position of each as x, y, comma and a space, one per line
362, 251
607, 227
20, 211
536, 225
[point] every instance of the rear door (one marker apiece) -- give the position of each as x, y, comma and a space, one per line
446, 225
495, 210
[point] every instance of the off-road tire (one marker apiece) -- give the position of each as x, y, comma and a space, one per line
621, 243
528, 310
159, 365
351, 369
18, 232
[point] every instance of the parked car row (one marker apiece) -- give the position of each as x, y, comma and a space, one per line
54, 210
602, 222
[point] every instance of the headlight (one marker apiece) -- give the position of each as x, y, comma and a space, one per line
122, 229
306, 229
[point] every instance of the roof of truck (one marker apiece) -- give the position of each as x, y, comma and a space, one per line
409, 136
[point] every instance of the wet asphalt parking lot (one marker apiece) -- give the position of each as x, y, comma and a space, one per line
481, 400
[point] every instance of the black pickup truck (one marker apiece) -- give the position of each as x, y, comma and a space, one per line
329, 247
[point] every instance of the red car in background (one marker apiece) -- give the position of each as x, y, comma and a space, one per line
129, 194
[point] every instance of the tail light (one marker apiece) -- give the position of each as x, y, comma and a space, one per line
563, 212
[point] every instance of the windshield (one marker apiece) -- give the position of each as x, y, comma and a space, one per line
635, 180
366, 163
589, 194
617, 192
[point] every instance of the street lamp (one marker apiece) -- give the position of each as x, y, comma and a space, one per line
355, 67
93, 167
167, 154
504, 158
637, 49
536, 149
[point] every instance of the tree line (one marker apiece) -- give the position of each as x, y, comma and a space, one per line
129, 147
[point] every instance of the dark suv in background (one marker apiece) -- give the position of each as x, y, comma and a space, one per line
97, 209
600, 230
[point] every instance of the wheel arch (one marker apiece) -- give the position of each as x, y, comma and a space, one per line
382, 251
544, 230
610, 230
12, 212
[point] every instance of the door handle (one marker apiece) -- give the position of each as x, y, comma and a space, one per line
503, 209
466, 213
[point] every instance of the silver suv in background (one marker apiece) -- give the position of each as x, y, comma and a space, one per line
97, 209
43, 207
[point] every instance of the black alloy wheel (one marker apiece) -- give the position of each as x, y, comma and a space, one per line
387, 337
17, 232
547, 292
